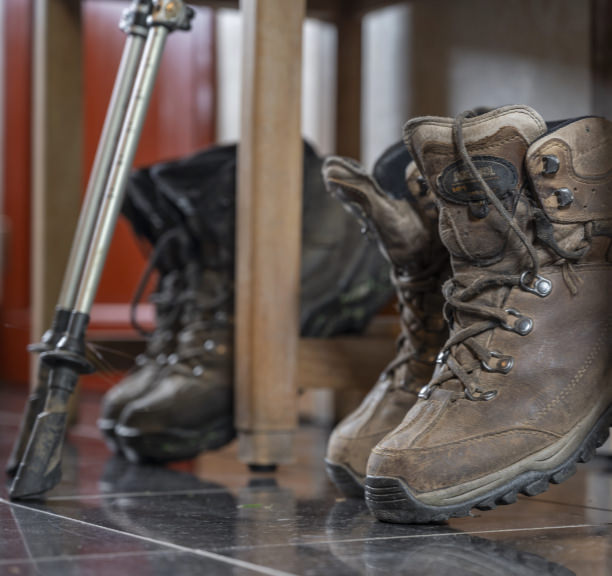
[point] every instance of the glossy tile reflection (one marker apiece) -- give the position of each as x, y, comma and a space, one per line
212, 516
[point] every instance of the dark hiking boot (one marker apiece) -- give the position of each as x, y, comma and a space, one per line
190, 408
158, 223
160, 344
344, 280
522, 390
162, 213
403, 221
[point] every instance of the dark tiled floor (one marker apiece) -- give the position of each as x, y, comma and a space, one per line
211, 516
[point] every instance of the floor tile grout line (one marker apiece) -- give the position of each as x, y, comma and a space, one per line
146, 494
321, 542
312, 543
569, 505
99, 555
135, 494
187, 492
470, 533
408, 537
197, 551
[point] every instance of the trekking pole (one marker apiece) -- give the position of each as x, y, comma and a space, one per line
134, 24
40, 468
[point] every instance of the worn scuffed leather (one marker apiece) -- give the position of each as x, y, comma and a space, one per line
448, 447
406, 231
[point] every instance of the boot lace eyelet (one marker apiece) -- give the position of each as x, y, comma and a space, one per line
425, 392
541, 286
503, 364
441, 357
523, 325
478, 395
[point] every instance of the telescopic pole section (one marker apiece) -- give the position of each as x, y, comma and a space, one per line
134, 24
40, 468
124, 157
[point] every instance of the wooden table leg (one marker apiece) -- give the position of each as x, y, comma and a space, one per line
56, 155
348, 139
269, 231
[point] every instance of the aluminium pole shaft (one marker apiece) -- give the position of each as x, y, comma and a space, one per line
108, 141
121, 166
134, 24
40, 467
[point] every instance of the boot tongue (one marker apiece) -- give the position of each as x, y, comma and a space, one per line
402, 234
471, 228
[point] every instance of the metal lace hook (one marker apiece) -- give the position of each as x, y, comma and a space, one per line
504, 364
523, 324
542, 287
479, 395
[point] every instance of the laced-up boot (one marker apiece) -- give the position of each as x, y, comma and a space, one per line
402, 218
344, 280
190, 408
522, 389
159, 225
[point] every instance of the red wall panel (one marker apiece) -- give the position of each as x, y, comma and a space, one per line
15, 308
180, 121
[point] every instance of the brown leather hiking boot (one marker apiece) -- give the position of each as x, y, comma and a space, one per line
522, 390
405, 230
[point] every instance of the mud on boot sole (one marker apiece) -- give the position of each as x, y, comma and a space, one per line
390, 499
347, 481
173, 444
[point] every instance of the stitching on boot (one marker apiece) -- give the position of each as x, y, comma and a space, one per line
577, 378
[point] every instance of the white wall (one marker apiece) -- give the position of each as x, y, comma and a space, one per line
446, 56
318, 80
386, 69
535, 52
434, 57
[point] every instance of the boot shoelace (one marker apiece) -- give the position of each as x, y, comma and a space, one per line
448, 367
165, 299
207, 316
410, 290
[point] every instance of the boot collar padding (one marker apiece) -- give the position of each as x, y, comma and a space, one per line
419, 131
579, 190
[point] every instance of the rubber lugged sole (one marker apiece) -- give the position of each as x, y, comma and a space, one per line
170, 445
390, 499
345, 479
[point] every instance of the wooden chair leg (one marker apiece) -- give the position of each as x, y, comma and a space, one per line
348, 139
269, 231
56, 156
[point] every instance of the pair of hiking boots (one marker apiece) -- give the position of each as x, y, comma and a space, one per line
178, 401
500, 245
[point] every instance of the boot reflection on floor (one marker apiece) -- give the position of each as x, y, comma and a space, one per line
436, 550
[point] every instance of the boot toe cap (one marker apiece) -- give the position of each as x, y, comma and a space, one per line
425, 468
